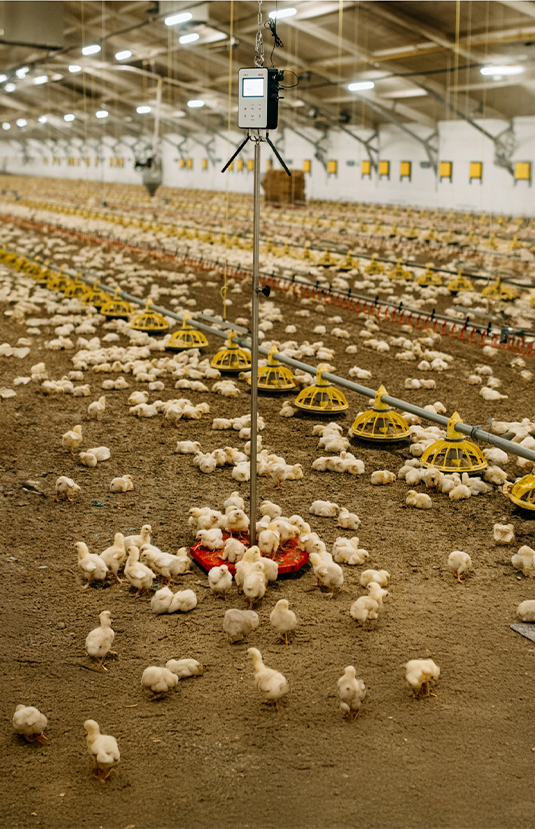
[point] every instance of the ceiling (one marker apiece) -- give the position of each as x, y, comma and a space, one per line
423, 57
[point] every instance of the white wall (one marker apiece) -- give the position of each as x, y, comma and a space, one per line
457, 141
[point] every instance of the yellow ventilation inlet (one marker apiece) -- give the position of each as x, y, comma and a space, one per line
322, 397
380, 423
186, 337
454, 453
232, 358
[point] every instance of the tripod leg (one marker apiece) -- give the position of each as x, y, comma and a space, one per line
273, 147
238, 151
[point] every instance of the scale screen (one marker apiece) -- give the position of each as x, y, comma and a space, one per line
253, 88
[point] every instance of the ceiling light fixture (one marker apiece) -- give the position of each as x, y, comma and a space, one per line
91, 50
6, 125
22, 72
143, 110
69, 117
189, 38
102, 113
282, 13
175, 19
75, 68
9, 87
123, 55
355, 87
42, 119
21, 122
40, 79
195, 104
500, 71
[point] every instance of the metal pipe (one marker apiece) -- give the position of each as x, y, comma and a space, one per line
255, 288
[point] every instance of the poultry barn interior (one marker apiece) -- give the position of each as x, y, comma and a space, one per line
268, 434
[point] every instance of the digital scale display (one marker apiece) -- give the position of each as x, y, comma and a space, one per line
252, 88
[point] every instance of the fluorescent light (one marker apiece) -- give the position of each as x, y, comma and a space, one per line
69, 117
102, 113
178, 18
42, 119
500, 71
75, 68
282, 13
40, 79
189, 38
3, 78
22, 72
123, 55
91, 50
195, 104
21, 122
9, 87
354, 87
6, 125
143, 110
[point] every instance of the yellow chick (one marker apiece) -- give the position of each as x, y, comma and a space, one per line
420, 500
161, 601
459, 562
377, 593
237, 521
91, 566
66, 488
139, 575
363, 609
328, 573
348, 520
238, 623
184, 668
382, 577
29, 723
183, 600
524, 560
99, 641
124, 484
382, 477
220, 580
351, 692
72, 439
115, 556
244, 565
159, 681
503, 533
326, 509
103, 749
283, 619
254, 583
139, 540
272, 685
419, 674
96, 409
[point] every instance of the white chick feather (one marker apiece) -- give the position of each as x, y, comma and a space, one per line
419, 674
272, 685
351, 692
103, 749
99, 641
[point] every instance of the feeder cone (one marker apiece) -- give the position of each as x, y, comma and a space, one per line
523, 492
77, 289
399, 272
327, 260
454, 453
232, 359
321, 398
348, 263
186, 337
374, 267
151, 322
459, 283
380, 423
412, 233
429, 278
115, 308
274, 376
96, 297
498, 291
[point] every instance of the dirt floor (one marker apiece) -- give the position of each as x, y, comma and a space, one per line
211, 754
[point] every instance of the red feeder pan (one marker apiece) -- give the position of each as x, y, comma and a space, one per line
290, 560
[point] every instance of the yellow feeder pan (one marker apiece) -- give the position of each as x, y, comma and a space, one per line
58, 282
515, 244
430, 236
374, 267
523, 492
498, 291
77, 289
96, 297
348, 263
151, 322
429, 278
459, 283
399, 272
115, 308
186, 337
493, 245
412, 233
274, 376
449, 238
363, 227
321, 398
380, 423
327, 260
231, 359
306, 255
454, 453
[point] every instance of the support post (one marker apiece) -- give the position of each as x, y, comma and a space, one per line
254, 340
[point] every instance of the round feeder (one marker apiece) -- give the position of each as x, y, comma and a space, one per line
348, 263
374, 267
380, 423
412, 233
116, 309
429, 278
232, 359
186, 337
459, 283
399, 272
327, 260
290, 559
523, 492
58, 282
95, 297
321, 398
77, 289
151, 322
274, 376
498, 291
454, 453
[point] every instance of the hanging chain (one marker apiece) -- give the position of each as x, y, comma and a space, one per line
259, 50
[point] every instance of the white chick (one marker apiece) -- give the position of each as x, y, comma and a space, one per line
328, 573
30, 723
124, 484
161, 600
271, 509
103, 749
376, 592
254, 583
139, 540
459, 562
460, 493
351, 692
88, 459
271, 568
244, 565
419, 673
524, 560
99, 641
420, 500
183, 601
66, 488
234, 500
137, 574
101, 453
348, 520
159, 680
526, 611
220, 580
96, 409
364, 608
382, 577
237, 521
211, 539
268, 542
272, 685
503, 533
238, 623
184, 668
283, 619
115, 556
91, 566
382, 477
72, 439
233, 550
346, 551
326, 509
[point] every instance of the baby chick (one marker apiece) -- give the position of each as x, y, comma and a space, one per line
183, 600
348, 520
238, 623
364, 608
254, 583
419, 673
91, 566
123, 484
351, 692
183, 668
96, 409
220, 580
526, 611
328, 573
103, 749
139, 540
29, 723
114, 556
72, 439
66, 488
272, 685
503, 533
158, 680
139, 575
524, 560
99, 641
380, 576
161, 600
459, 562
283, 619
